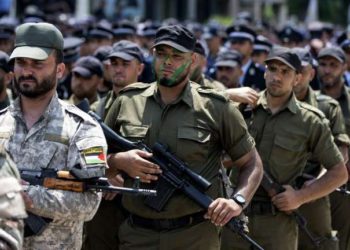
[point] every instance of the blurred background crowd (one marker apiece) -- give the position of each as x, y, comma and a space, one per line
249, 27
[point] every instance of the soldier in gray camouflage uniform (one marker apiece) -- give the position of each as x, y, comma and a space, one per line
12, 209
42, 132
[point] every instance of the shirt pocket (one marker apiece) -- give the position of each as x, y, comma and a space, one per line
133, 132
288, 157
193, 143
43, 154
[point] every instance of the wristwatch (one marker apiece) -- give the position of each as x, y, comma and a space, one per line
239, 199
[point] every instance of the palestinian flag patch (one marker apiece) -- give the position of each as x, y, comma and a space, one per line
94, 155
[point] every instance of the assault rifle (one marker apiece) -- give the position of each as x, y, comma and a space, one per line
273, 188
69, 181
64, 180
176, 176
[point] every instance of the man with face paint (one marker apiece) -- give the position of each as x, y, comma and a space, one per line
42, 132
196, 124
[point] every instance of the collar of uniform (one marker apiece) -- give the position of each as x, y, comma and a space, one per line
311, 97
185, 96
291, 104
345, 93
16, 110
110, 97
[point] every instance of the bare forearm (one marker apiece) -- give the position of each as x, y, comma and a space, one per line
250, 175
334, 177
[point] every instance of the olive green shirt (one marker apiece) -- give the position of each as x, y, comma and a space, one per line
211, 83
197, 127
332, 111
102, 106
75, 100
286, 139
344, 102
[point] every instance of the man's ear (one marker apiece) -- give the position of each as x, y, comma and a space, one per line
297, 79
312, 73
140, 69
8, 78
193, 58
60, 70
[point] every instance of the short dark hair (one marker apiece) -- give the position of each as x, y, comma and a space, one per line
59, 56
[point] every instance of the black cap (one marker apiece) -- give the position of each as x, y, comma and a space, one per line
199, 48
71, 49
101, 30
228, 58
240, 32
124, 28
195, 27
341, 38
334, 51
6, 31
345, 45
245, 16
212, 31
126, 50
262, 44
4, 62
176, 36
149, 30
102, 52
304, 56
286, 56
87, 66
290, 34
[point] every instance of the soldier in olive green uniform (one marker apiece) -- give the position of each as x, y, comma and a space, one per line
317, 213
330, 72
227, 59
87, 76
196, 124
286, 132
126, 60
126, 65
12, 210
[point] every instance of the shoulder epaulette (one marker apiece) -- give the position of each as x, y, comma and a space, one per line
325, 98
315, 110
70, 108
212, 93
135, 86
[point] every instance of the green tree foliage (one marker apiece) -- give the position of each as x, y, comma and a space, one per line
334, 11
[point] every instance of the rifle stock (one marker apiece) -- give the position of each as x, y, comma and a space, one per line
273, 188
63, 180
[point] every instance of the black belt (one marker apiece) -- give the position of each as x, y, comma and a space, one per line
260, 208
167, 224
